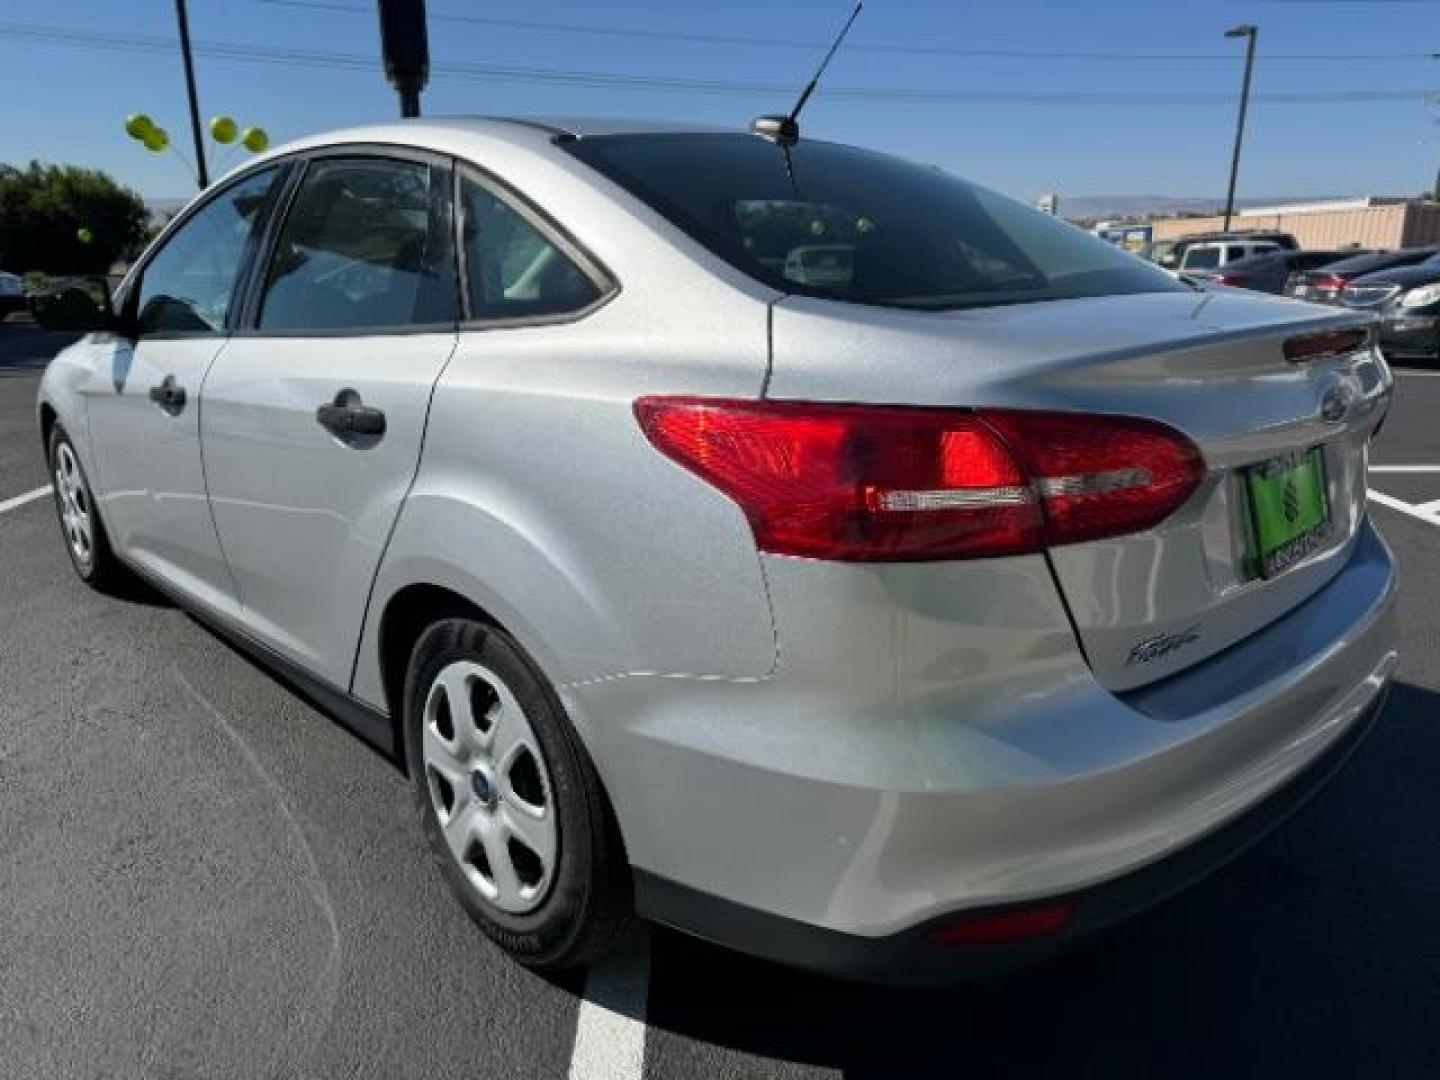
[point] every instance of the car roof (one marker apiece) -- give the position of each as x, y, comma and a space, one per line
517, 129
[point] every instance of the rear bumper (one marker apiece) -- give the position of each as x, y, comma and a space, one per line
920, 753
912, 957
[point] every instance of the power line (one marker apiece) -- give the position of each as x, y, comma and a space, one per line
255, 53
873, 47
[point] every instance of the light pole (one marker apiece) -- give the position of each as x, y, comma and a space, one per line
190, 88
1249, 33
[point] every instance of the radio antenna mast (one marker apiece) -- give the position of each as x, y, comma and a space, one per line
786, 129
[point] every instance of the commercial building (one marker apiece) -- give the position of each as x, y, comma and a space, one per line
1373, 222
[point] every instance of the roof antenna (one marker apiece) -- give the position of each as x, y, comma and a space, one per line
785, 130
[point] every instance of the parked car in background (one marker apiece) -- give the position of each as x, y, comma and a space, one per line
1204, 259
896, 613
1172, 255
1323, 285
12, 295
1269, 271
1406, 300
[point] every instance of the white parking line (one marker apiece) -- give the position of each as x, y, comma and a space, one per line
1418, 512
1405, 468
20, 500
1416, 374
610, 1030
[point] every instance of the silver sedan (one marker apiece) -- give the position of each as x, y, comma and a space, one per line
792, 544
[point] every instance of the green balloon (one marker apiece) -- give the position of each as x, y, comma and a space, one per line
255, 139
138, 125
84, 235
223, 129
156, 140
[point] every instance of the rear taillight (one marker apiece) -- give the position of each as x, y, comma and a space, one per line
872, 483
1332, 282
1231, 279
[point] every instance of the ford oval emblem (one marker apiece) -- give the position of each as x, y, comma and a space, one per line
1335, 404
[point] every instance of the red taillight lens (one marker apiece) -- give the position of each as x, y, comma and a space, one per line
1005, 926
890, 483
1101, 475
1329, 281
1231, 279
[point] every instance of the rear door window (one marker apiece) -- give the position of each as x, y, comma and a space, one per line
513, 269
365, 245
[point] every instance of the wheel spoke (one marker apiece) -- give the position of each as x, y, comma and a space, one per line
502, 869
536, 832
456, 681
461, 826
510, 735
443, 758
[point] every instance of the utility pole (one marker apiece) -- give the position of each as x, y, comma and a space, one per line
200, 173
405, 48
1249, 33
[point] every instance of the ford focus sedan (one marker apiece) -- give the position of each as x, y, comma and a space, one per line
790, 544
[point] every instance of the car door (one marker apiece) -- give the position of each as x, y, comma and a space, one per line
313, 416
142, 401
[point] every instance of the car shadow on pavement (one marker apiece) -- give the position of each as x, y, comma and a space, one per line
1317, 953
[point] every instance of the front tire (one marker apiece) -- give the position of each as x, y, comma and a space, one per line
509, 801
84, 533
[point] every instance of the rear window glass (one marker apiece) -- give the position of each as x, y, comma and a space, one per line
850, 224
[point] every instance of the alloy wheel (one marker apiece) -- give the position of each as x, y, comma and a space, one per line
489, 787
75, 509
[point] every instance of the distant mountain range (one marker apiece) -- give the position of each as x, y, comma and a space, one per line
1137, 206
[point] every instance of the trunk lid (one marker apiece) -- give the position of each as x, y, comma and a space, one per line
1211, 365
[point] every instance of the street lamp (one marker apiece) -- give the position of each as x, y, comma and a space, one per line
1249, 33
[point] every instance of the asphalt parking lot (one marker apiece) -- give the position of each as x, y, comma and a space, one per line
203, 876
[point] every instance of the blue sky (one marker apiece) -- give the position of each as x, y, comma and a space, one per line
67, 103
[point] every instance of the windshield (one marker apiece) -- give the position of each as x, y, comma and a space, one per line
855, 225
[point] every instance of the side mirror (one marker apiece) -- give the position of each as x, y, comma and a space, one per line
77, 305
1169, 262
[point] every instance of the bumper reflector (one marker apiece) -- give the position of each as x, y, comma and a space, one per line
1003, 926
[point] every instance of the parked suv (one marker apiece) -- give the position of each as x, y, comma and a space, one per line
1172, 258
898, 620
1206, 258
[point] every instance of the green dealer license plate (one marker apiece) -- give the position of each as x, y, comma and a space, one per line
1288, 508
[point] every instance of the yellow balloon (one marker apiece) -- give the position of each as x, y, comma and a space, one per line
255, 139
84, 235
138, 125
223, 129
156, 140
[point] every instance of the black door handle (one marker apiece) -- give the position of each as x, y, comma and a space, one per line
169, 395
348, 415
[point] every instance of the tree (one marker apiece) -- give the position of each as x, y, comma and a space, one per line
46, 209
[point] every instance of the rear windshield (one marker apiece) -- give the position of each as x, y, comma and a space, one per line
850, 224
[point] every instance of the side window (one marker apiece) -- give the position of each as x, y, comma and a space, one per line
1202, 258
513, 271
188, 286
364, 245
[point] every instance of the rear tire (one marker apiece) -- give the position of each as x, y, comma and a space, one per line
86, 541
509, 801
